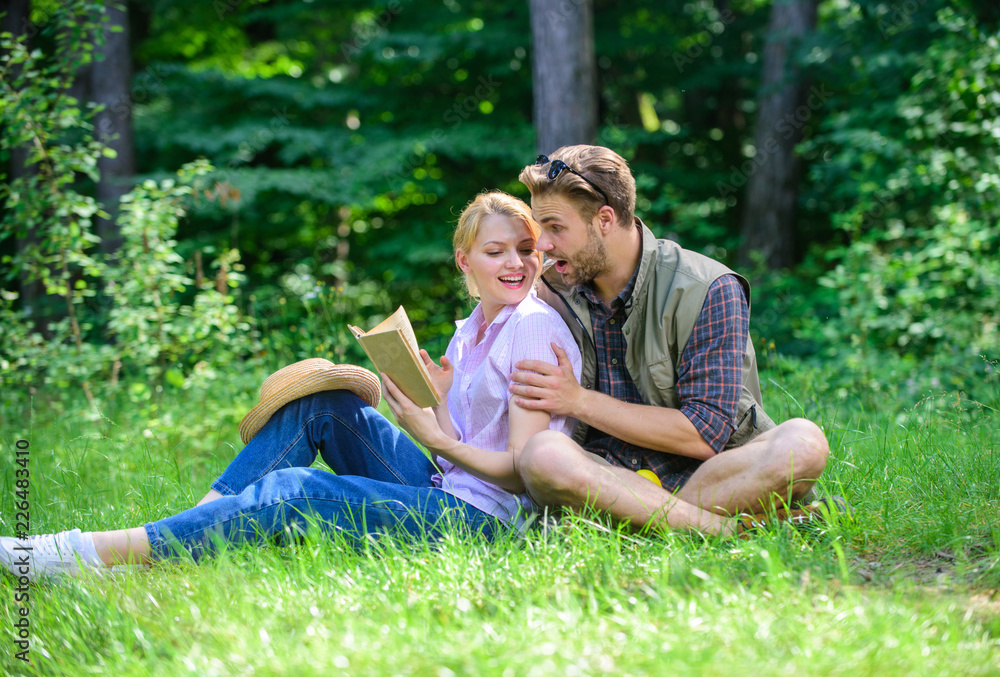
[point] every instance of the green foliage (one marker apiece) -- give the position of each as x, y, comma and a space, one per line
39, 115
384, 122
930, 289
151, 323
679, 86
909, 293
153, 320
352, 134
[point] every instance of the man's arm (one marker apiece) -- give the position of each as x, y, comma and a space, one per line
709, 386
554, 389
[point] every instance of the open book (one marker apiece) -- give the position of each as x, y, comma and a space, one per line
392, 348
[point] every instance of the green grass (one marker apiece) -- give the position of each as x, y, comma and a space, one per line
907, 588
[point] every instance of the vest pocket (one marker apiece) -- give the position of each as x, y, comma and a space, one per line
751, 421
664, 390
746, 428
752, 413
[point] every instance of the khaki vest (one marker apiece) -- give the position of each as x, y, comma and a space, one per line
668, 297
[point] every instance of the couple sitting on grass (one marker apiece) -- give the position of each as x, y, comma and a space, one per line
665, 389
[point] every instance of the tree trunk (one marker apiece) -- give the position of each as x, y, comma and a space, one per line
110, 79
772, 175
564, 71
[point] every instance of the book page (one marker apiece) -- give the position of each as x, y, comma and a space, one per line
392, 347
398, 321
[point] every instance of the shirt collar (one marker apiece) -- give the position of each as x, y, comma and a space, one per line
468, 328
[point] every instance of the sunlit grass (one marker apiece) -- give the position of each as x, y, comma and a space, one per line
906, 588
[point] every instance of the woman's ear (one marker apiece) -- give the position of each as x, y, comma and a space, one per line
462, 260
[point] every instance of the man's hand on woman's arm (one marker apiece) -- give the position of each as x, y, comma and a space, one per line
541, 386
552, 387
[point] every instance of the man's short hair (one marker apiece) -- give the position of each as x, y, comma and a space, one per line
603, 166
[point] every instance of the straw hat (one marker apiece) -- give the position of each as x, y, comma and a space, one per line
304, 378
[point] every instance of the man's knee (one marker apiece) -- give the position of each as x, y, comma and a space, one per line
549, 465
540, 456
801, 447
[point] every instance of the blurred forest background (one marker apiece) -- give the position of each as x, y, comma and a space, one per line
197, 191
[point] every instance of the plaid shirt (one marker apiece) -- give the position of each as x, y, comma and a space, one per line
709, 376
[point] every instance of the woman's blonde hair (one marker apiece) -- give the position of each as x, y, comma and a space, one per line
493, 203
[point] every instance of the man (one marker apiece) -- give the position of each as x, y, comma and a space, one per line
669, 380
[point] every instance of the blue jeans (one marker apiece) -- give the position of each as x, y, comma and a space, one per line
382, 484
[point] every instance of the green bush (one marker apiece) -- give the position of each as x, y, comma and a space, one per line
137, 310
919, 275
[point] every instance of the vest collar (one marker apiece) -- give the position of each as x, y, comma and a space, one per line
649, 247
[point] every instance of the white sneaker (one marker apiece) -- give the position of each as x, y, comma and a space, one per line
59, 554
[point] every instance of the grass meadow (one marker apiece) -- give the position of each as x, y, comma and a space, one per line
908, 587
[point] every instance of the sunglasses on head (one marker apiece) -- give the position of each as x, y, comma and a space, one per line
556, 168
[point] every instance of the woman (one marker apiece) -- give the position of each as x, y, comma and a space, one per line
383, 481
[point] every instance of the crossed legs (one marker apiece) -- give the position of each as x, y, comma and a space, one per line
777, 466
772, 470
558, 473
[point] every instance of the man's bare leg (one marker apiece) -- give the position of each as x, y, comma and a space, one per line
557, 472
772, 470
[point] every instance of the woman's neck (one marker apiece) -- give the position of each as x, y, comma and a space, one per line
490, 312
